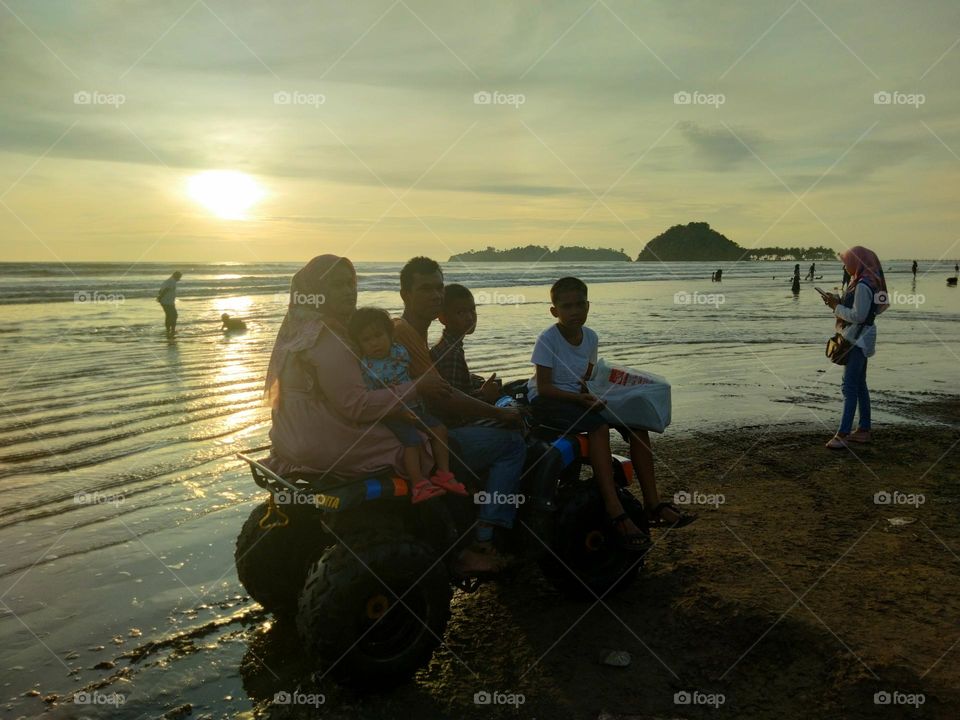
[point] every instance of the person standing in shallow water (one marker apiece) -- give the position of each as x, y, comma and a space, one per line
796, 279
167, 297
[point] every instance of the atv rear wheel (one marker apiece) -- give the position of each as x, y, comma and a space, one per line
272, 564
587, 558
351, 620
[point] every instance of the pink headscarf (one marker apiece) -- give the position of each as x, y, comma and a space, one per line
866, 266
305, 320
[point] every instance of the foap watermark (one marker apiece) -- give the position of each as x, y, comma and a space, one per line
699, 98
99, 698
485, 97
682, 297
296, 97
98, 498
95, 97
898, 298
95, 297
484, 697
884, 497
695, 497
696, 697
895, 697
499, 298
298, 698
313, 300
498, 498
885, 97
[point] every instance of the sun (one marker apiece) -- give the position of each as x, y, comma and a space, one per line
228, 194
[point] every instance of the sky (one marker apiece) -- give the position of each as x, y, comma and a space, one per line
385, 129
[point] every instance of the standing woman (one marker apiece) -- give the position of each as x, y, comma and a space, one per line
856, 310
167, 297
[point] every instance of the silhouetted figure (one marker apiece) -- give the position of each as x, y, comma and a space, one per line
796, 279
956, 268
719, 275
813, 269
232, 324
167, 297
845, 280
914, 269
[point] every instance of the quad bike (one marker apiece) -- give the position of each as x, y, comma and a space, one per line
368, 577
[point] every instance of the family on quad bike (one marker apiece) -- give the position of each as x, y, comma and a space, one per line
395, 474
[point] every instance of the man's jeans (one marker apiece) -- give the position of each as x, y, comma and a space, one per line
503, 452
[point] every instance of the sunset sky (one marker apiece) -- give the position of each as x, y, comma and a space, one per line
354, 127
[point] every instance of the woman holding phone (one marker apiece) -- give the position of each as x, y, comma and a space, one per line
856, 310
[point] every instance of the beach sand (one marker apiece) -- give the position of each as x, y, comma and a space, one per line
795, 597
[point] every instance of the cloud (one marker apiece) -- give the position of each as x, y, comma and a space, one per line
717, 148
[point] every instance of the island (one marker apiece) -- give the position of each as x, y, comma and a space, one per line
698, 241
541, 253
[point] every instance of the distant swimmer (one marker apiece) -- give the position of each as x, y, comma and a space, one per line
718, 275
230, 324
167, 297
812, 272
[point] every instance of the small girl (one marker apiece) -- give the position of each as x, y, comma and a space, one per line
386, 363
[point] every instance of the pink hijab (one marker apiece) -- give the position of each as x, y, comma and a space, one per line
305, 320
866, 266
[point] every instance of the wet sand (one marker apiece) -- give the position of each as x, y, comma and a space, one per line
796, 597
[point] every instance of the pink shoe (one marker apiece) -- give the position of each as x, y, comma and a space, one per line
446, 480
837, 442
425, 490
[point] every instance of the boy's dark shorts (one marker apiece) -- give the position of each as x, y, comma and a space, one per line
407, 433
570, 417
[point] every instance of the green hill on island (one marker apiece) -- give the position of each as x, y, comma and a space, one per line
533, 253
698, 241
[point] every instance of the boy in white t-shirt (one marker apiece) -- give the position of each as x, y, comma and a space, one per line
564, 356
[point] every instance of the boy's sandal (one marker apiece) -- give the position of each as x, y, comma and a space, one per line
683, 518
638, 542
425, 490
837, 442
447, 480
860, 436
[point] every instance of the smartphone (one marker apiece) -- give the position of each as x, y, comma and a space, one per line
822, 293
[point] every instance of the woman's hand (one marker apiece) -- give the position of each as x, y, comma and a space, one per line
831, 300
433, 386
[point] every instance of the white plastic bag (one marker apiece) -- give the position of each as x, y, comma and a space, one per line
637, 399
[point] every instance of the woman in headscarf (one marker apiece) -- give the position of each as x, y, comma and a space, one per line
324, 417
856, 310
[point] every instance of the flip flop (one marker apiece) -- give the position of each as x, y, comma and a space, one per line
637, 542
837, 442
425, 490
684, 518
446, 480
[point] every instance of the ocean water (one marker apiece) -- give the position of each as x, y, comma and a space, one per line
119, 492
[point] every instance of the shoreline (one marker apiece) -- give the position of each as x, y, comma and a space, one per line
795, 517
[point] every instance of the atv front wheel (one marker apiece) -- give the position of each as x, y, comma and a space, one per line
374, 608
587, 558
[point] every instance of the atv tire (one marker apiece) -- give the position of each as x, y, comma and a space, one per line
349, 617
587, 559
272, 564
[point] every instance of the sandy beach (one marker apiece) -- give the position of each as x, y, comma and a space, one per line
795, 595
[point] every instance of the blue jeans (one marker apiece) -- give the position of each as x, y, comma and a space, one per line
855, 391
503, 452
